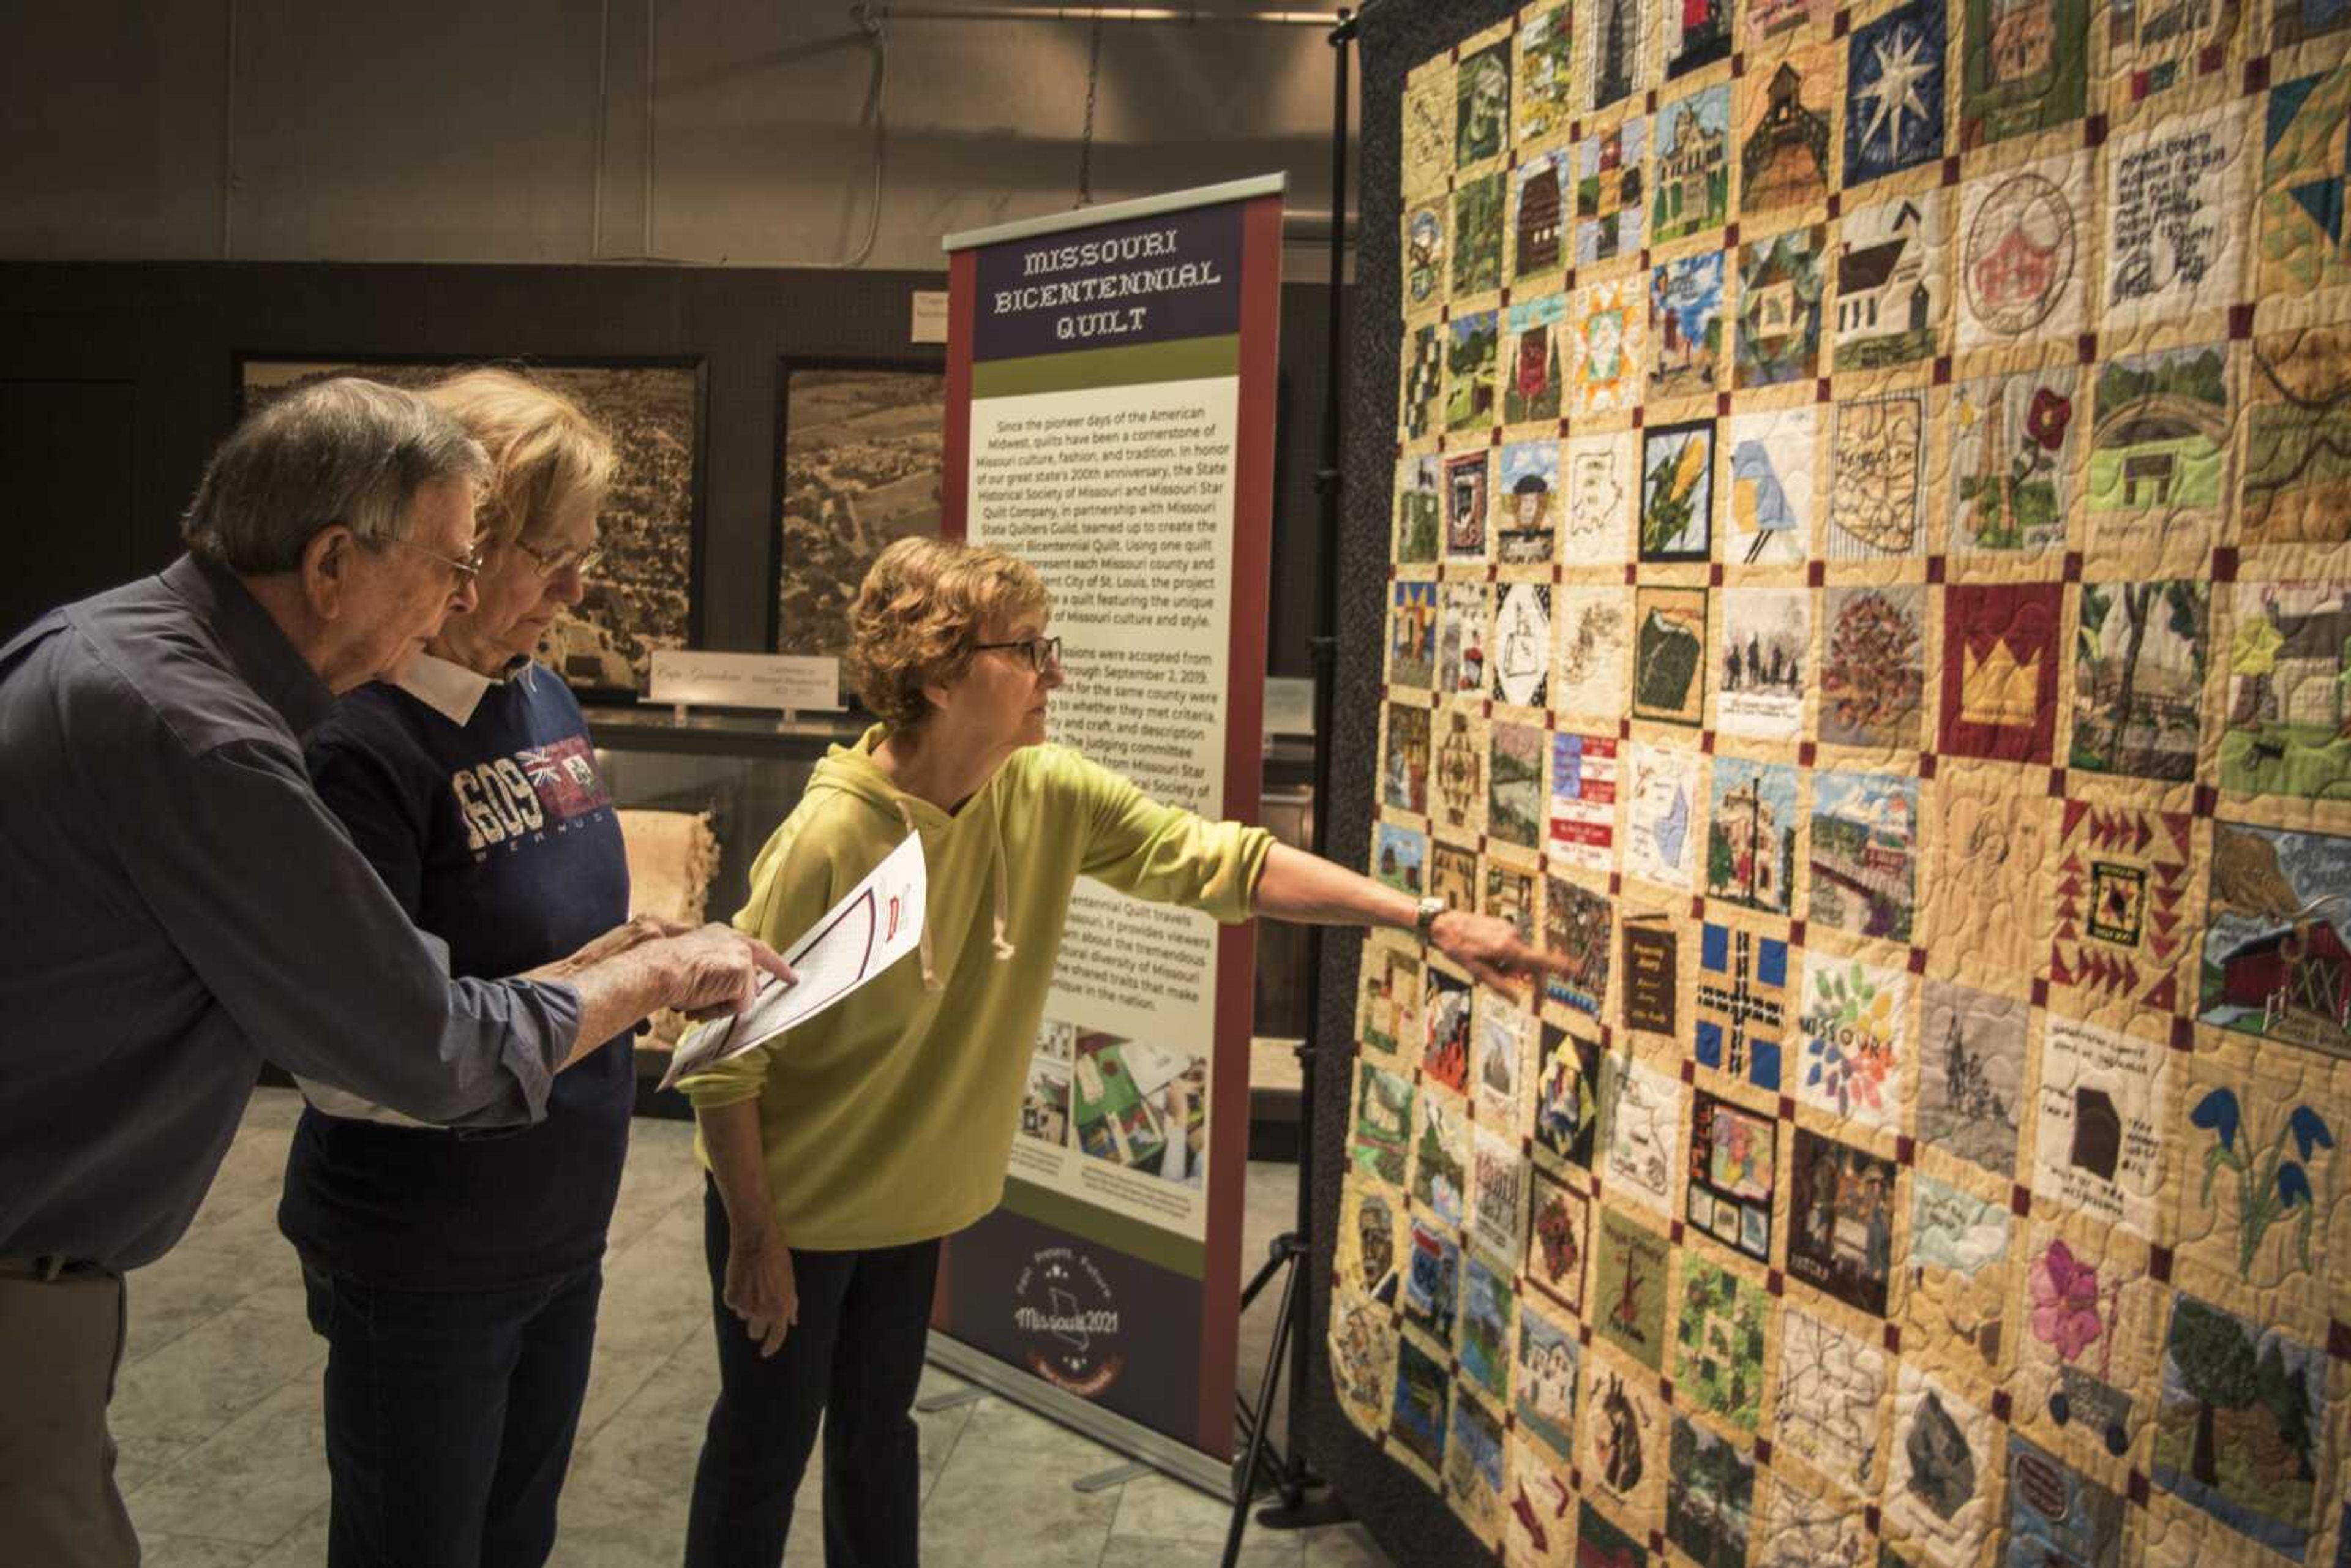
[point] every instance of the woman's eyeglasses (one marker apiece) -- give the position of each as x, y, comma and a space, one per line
1044, 653
582, 559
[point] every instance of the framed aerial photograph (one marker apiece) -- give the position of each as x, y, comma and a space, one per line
857, 468
641, 596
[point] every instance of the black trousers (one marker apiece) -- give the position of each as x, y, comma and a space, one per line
854, 1360
450, 1417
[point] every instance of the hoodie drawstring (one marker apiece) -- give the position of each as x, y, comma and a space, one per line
1002, 877
930, 974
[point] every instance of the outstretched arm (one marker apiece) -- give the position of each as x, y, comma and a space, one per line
1305, 889
1140, 847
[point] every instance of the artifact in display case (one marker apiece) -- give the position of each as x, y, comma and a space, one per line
672, 855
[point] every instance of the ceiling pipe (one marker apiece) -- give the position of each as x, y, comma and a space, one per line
1180, 15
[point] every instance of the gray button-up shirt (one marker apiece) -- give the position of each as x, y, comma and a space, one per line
181, 905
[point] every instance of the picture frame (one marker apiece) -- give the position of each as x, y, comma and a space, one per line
647, 592
847, 427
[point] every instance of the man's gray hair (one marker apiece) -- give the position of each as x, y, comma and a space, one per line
342, 451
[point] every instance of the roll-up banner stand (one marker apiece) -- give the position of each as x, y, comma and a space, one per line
1110, 419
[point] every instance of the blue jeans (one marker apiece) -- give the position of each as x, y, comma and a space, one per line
855, 1359
450, 1417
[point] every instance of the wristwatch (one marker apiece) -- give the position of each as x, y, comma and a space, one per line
1424, 918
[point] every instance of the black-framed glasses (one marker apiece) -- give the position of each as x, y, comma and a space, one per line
463, 572
1044, 653
582, 559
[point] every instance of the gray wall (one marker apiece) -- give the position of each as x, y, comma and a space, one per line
710, 131
516, 144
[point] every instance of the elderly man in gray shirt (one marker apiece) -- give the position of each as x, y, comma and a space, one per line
184, 906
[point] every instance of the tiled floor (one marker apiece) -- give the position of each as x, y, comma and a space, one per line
217, 1407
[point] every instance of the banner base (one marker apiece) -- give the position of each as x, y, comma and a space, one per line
1162, 1453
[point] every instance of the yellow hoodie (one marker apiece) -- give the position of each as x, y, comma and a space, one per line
888, 1119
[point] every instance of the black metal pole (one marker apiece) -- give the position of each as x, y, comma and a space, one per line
1325, 647
1334, 370
1293, 1254
1296, 1475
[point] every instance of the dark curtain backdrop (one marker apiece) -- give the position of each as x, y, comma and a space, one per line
1409, 1520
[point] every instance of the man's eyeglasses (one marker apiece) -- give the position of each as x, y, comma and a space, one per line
582, 559
1043, 653
462, 573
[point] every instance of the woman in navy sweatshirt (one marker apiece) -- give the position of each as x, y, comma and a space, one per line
455, 1277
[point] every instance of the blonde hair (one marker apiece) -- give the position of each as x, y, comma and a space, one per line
918, 616
546, 455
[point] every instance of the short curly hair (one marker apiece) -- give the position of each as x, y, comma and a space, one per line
918, 618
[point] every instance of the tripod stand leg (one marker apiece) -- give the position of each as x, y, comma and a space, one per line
1245, 1486
1266, 1270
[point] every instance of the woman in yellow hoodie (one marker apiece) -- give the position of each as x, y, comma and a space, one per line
842, 1152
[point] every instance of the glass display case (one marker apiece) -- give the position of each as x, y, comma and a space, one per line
744, 774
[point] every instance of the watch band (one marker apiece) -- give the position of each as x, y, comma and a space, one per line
1423, 918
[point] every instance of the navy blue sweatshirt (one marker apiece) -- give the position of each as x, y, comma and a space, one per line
480, 806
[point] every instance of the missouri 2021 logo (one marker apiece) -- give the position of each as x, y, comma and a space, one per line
1066, 1312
